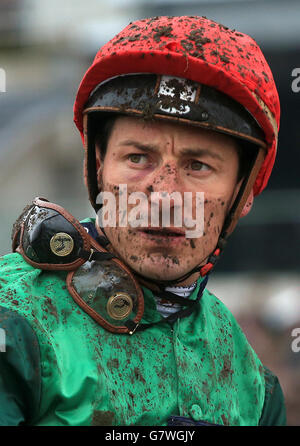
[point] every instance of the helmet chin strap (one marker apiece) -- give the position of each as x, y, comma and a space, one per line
236, 211
153, 284
228, 227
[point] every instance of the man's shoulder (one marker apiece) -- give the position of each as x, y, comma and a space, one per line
218, 308
20, 282
273, 409
12, 268
223, 327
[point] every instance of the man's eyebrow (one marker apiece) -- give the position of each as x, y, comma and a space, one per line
145, 147
201, 152
185, 151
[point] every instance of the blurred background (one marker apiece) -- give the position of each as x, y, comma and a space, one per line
45, 48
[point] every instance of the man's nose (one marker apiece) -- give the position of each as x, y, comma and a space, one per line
166, 179
167, 195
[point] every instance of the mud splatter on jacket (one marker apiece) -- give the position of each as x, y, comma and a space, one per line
60, 367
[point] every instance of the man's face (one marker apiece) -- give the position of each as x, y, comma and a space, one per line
156, 156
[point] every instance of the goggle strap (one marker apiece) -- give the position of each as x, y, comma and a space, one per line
95, 255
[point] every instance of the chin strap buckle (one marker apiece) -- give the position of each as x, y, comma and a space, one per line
214, 257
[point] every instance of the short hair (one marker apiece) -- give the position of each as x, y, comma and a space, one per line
103, 135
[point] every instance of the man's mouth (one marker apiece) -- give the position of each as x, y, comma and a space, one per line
163, 232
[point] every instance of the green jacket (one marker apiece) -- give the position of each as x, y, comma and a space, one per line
61, 368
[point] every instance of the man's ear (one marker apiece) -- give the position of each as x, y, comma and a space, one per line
248, 205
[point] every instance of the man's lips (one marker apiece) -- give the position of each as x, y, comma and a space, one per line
163, 232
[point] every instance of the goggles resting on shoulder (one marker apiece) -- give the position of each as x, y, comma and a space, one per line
49, 238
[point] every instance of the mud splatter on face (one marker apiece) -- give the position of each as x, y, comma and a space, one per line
153, 254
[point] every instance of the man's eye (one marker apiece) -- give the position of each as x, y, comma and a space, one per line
198, 165
137, 158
